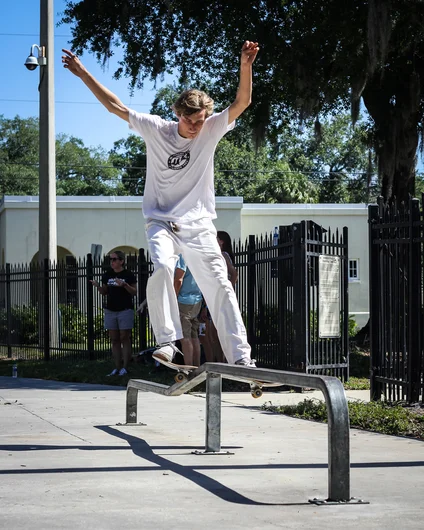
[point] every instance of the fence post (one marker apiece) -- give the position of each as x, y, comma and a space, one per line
251, 289
46, 308
414, 310
345, 287
8, 311
143, 276
374, 296
282, 301
90, 307
300, 353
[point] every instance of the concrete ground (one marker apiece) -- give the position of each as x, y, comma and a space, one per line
68, 462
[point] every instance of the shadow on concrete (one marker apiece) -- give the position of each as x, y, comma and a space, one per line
143, 450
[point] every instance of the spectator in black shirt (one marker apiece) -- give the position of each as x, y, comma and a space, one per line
119, 285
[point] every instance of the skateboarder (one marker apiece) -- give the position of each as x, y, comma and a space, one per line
179, 204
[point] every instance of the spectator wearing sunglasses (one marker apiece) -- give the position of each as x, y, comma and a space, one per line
119, 285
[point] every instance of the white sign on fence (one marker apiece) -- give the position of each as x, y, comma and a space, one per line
329, 296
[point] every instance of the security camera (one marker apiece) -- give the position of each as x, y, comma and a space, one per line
31, 62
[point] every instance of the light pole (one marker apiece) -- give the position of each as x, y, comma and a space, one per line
47, 231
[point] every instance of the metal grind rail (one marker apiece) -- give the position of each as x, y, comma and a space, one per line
331, 387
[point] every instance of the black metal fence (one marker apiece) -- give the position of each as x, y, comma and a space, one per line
52, 311
283, 291
396, 236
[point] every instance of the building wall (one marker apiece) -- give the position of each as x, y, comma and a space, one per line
112, 222
2, 240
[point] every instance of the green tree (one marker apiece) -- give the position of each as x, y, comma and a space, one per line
283, 185
419, 185
164, 99
79, 170
254, 175
19, 156
337, 157
236, 168
316, 58
84, 171
129, 155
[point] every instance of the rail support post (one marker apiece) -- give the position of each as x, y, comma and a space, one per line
213, 413
338, 445
132, 394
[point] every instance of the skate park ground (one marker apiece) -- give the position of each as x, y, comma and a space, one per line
68, 461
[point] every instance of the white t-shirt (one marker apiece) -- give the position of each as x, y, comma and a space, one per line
179, 181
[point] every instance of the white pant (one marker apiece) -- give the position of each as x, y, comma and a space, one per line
198, 244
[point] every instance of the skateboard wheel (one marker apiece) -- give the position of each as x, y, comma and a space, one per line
179, 378
257, 393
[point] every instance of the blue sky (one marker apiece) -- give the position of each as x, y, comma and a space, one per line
77, 111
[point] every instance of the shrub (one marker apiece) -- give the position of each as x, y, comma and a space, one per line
74, 324
23, 327
376, 416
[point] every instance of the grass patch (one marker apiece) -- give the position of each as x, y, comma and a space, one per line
95, 372
84, 371
357, 383
72, 368
378, 417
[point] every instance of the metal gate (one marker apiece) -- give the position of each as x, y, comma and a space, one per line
396, 301
281, 292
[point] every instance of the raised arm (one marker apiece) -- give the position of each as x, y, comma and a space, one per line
244, 92
104, 95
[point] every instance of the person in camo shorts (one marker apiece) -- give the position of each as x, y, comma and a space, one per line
190, 300
119, 285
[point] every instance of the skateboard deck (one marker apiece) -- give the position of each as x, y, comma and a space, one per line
257, 386
182, 369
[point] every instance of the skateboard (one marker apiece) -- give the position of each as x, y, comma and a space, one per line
183, 370
257, 386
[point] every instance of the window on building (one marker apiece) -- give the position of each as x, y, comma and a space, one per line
354, 270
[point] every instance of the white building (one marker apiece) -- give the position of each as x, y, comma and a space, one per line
118, 223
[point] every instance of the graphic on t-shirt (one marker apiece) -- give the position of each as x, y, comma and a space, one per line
179, 160
112, 281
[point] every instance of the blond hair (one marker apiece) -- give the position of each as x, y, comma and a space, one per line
192, 101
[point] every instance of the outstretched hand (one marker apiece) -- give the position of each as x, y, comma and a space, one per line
72, 63
249, 52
